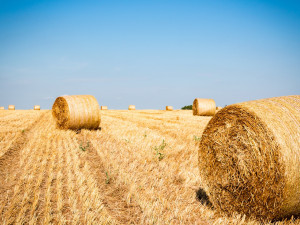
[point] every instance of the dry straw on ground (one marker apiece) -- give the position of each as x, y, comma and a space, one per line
140, 168
103, 107
204, 107
249, 158
76, 112
219, 108
2, 108
131, 107
169, 108
11, 107
37, 107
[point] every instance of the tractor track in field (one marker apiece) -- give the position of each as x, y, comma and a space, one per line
9, 161
114, 195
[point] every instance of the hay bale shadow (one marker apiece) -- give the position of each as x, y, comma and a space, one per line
78, 131
203, 198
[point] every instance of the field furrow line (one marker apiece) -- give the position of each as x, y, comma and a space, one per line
62, 203
48, 209
29, 163
11, 162
157, 185
114, 196
90, 209
14, 126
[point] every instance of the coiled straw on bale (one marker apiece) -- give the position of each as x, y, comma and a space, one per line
131, 107
103, 107
2, 108
249, 158
169, 108
37, 107
204, 107
11, 107
76, 112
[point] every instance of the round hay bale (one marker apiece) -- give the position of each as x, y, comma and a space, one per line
249, 158
131, 107
37, 107
219, 108
204, 107
2, 108
76, 112
169, 108
11, 107
103, 107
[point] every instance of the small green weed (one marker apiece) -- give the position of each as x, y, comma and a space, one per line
197, 138
107, 180
128, 141
159, 149
84, 148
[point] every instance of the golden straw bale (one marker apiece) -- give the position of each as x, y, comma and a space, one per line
103, 107
76, 112
204, 107
249, 158
169, 108
37, 107
2, 108
11, 107
131, 107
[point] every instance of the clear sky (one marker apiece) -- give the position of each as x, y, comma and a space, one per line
148, 53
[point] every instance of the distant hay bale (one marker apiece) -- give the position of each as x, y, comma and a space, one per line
131, 107
249, 158
169, 108
103, 107
76, 112
11, 107
2, 108
37, 107
219, 108
204, 107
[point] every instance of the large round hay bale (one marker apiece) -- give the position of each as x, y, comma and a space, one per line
76, 112
169, 108
204, 107
103, 107
2, 108
131, 107
11, 107
249, 158
37, 107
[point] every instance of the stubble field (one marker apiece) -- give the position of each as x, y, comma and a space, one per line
141, 167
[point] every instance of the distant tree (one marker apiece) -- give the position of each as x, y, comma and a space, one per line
187, 107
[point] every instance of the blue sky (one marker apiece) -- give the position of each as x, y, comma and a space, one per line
148, 53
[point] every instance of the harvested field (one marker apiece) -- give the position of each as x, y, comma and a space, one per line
141, 167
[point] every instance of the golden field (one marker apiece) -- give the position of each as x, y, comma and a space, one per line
141, 167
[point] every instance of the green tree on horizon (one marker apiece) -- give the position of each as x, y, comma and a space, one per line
187, 107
